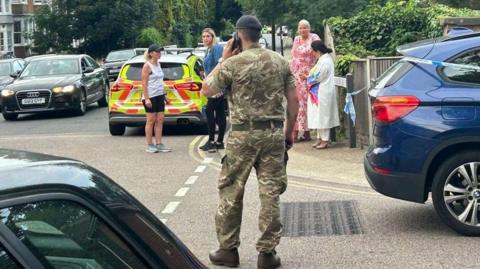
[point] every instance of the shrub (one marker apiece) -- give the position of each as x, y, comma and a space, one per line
379, 30
149, 36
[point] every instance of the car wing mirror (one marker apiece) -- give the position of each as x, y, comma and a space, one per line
15, 74
88, 69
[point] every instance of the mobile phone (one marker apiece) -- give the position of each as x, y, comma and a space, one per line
236, 41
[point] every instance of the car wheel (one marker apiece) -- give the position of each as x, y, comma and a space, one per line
456, 192
116, 129
82, 107
103, 102
10, 117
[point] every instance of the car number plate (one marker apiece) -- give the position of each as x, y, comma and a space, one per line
33, 101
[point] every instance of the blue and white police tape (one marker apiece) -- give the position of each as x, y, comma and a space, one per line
440, 63
350, 108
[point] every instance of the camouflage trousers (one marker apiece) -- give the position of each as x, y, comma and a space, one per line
263, 150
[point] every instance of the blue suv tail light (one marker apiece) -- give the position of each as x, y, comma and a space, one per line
388, 109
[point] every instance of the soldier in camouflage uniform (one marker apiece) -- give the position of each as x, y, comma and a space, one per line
258, 81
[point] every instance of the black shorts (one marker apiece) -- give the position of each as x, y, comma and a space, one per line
158, 104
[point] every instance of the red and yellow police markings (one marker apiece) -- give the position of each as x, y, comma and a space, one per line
181, 95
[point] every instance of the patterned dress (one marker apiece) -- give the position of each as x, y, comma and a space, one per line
302, 62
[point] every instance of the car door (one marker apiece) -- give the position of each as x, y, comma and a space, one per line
100, 74
7, 261
460, 94
89, 80
59, 231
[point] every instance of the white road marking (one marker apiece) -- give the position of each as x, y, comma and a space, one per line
51, 136
170, 208
191, 180
207, 160
163, 220
200, 168
181, 192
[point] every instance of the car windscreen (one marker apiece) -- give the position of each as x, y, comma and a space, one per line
5, 69
50, 67
171, 71
121, 55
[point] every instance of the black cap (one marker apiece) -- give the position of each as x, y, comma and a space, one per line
248, 22
154, 47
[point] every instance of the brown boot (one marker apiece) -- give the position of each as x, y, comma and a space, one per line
268, 260
225, 257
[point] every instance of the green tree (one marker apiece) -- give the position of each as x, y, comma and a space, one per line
316, 12
53, 27
473, 4
270, 12
149, 36
98, 25
223, 13
378, 30
182, 21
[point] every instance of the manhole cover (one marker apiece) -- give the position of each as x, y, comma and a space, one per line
321, 218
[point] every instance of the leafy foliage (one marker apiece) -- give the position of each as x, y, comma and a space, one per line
378, 30
342, 64
149, 36
318, 11
98, 25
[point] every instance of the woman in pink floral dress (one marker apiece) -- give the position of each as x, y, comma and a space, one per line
302, 61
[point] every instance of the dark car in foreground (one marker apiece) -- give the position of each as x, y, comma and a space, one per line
58, 82
116, 58
10, 68
61, 213
427, 129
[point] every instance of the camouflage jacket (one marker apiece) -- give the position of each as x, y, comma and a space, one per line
256, 81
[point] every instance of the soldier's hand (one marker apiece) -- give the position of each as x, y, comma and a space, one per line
227, 50
288, 142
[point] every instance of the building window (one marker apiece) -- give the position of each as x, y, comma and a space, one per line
2, 41
17, 32
5, 6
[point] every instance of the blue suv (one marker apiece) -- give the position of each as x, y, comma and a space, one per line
426, 111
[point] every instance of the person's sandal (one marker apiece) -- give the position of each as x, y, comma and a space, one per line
323, 145
316, 144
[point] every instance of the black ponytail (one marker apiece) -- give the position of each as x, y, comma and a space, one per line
318, 45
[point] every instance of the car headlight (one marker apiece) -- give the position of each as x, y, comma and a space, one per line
66, 89
7, 93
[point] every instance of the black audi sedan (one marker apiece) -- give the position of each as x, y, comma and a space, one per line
61, 213
57, 82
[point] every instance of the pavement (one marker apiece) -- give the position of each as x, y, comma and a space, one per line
336, 165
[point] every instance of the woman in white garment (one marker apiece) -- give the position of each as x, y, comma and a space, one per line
322, 109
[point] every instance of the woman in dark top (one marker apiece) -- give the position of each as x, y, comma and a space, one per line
216, 104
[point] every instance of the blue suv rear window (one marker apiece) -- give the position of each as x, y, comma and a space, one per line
393, 74
464, 75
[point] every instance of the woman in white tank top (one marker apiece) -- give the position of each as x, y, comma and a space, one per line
153, 99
